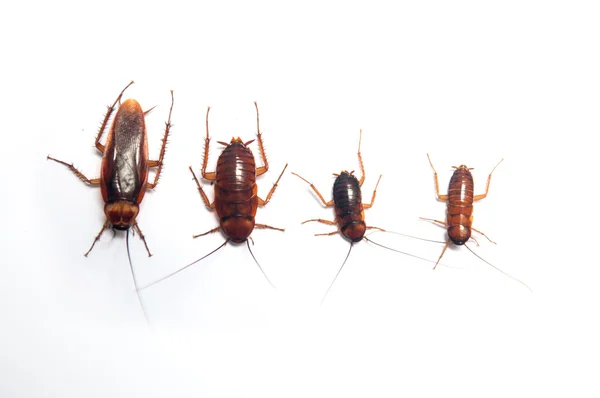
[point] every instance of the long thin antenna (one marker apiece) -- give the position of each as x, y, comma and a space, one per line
412, 236
498, 269
259, 267
401, 252
179, 270
137, 291
336, 275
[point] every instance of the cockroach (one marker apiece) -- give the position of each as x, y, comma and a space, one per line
123, 177
459, 212
236, 197
349, 209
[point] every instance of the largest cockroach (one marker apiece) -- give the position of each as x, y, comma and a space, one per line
236, 193
123, 177
459, 212
124, 171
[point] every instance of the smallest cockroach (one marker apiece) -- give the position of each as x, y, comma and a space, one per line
459, 213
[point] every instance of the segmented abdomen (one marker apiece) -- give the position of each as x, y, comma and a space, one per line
347, 199
460, 205
235, 188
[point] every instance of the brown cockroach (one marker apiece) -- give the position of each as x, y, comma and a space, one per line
349, 209
236, 197
123, 177
459, 213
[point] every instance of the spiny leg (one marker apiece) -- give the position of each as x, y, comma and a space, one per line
79, 174
487, 187
360, 162
142, 237
264, 202
327, 204
209, 232
437, 185
210, 206
213, 175
261, 147
264, 226
159, 163
368, 205
109, 112
106, 224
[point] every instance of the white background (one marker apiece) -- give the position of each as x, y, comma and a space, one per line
466, 82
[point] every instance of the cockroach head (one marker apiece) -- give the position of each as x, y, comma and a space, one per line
354, 231
121, 214
237, 228
237, 140
462, 166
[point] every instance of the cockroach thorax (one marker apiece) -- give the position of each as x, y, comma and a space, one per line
121, 214
131, 105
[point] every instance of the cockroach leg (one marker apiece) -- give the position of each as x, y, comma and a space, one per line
326, 204
321, 221
264, 226
264, 202
487, 187
106, 225
142, 237
441, 255
437, 184
109, 112
476, 230
261, 147
360, 162
377, 228
212, 176
79, 174
368, 205
210, 206
441, 223
206, 233
329, 234
159, 163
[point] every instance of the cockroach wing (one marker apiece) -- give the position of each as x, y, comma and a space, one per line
125, 161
